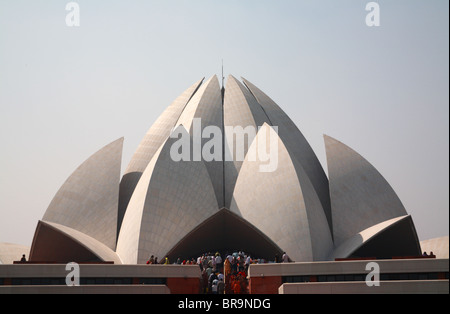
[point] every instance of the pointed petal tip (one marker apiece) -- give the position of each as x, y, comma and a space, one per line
118, 141
211, 79
179, 127
329, 139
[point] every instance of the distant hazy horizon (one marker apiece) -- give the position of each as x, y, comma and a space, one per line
65, 92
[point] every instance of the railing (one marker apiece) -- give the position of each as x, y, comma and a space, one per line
375, 258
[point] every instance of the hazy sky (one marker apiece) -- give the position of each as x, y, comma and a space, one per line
65, 92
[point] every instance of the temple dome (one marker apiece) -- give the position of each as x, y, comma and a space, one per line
163, 206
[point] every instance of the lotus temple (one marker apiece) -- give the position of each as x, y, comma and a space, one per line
105, 216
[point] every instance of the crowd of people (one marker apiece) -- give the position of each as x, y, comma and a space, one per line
226, 275
223, 275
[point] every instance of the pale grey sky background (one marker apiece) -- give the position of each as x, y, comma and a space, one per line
67, 92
